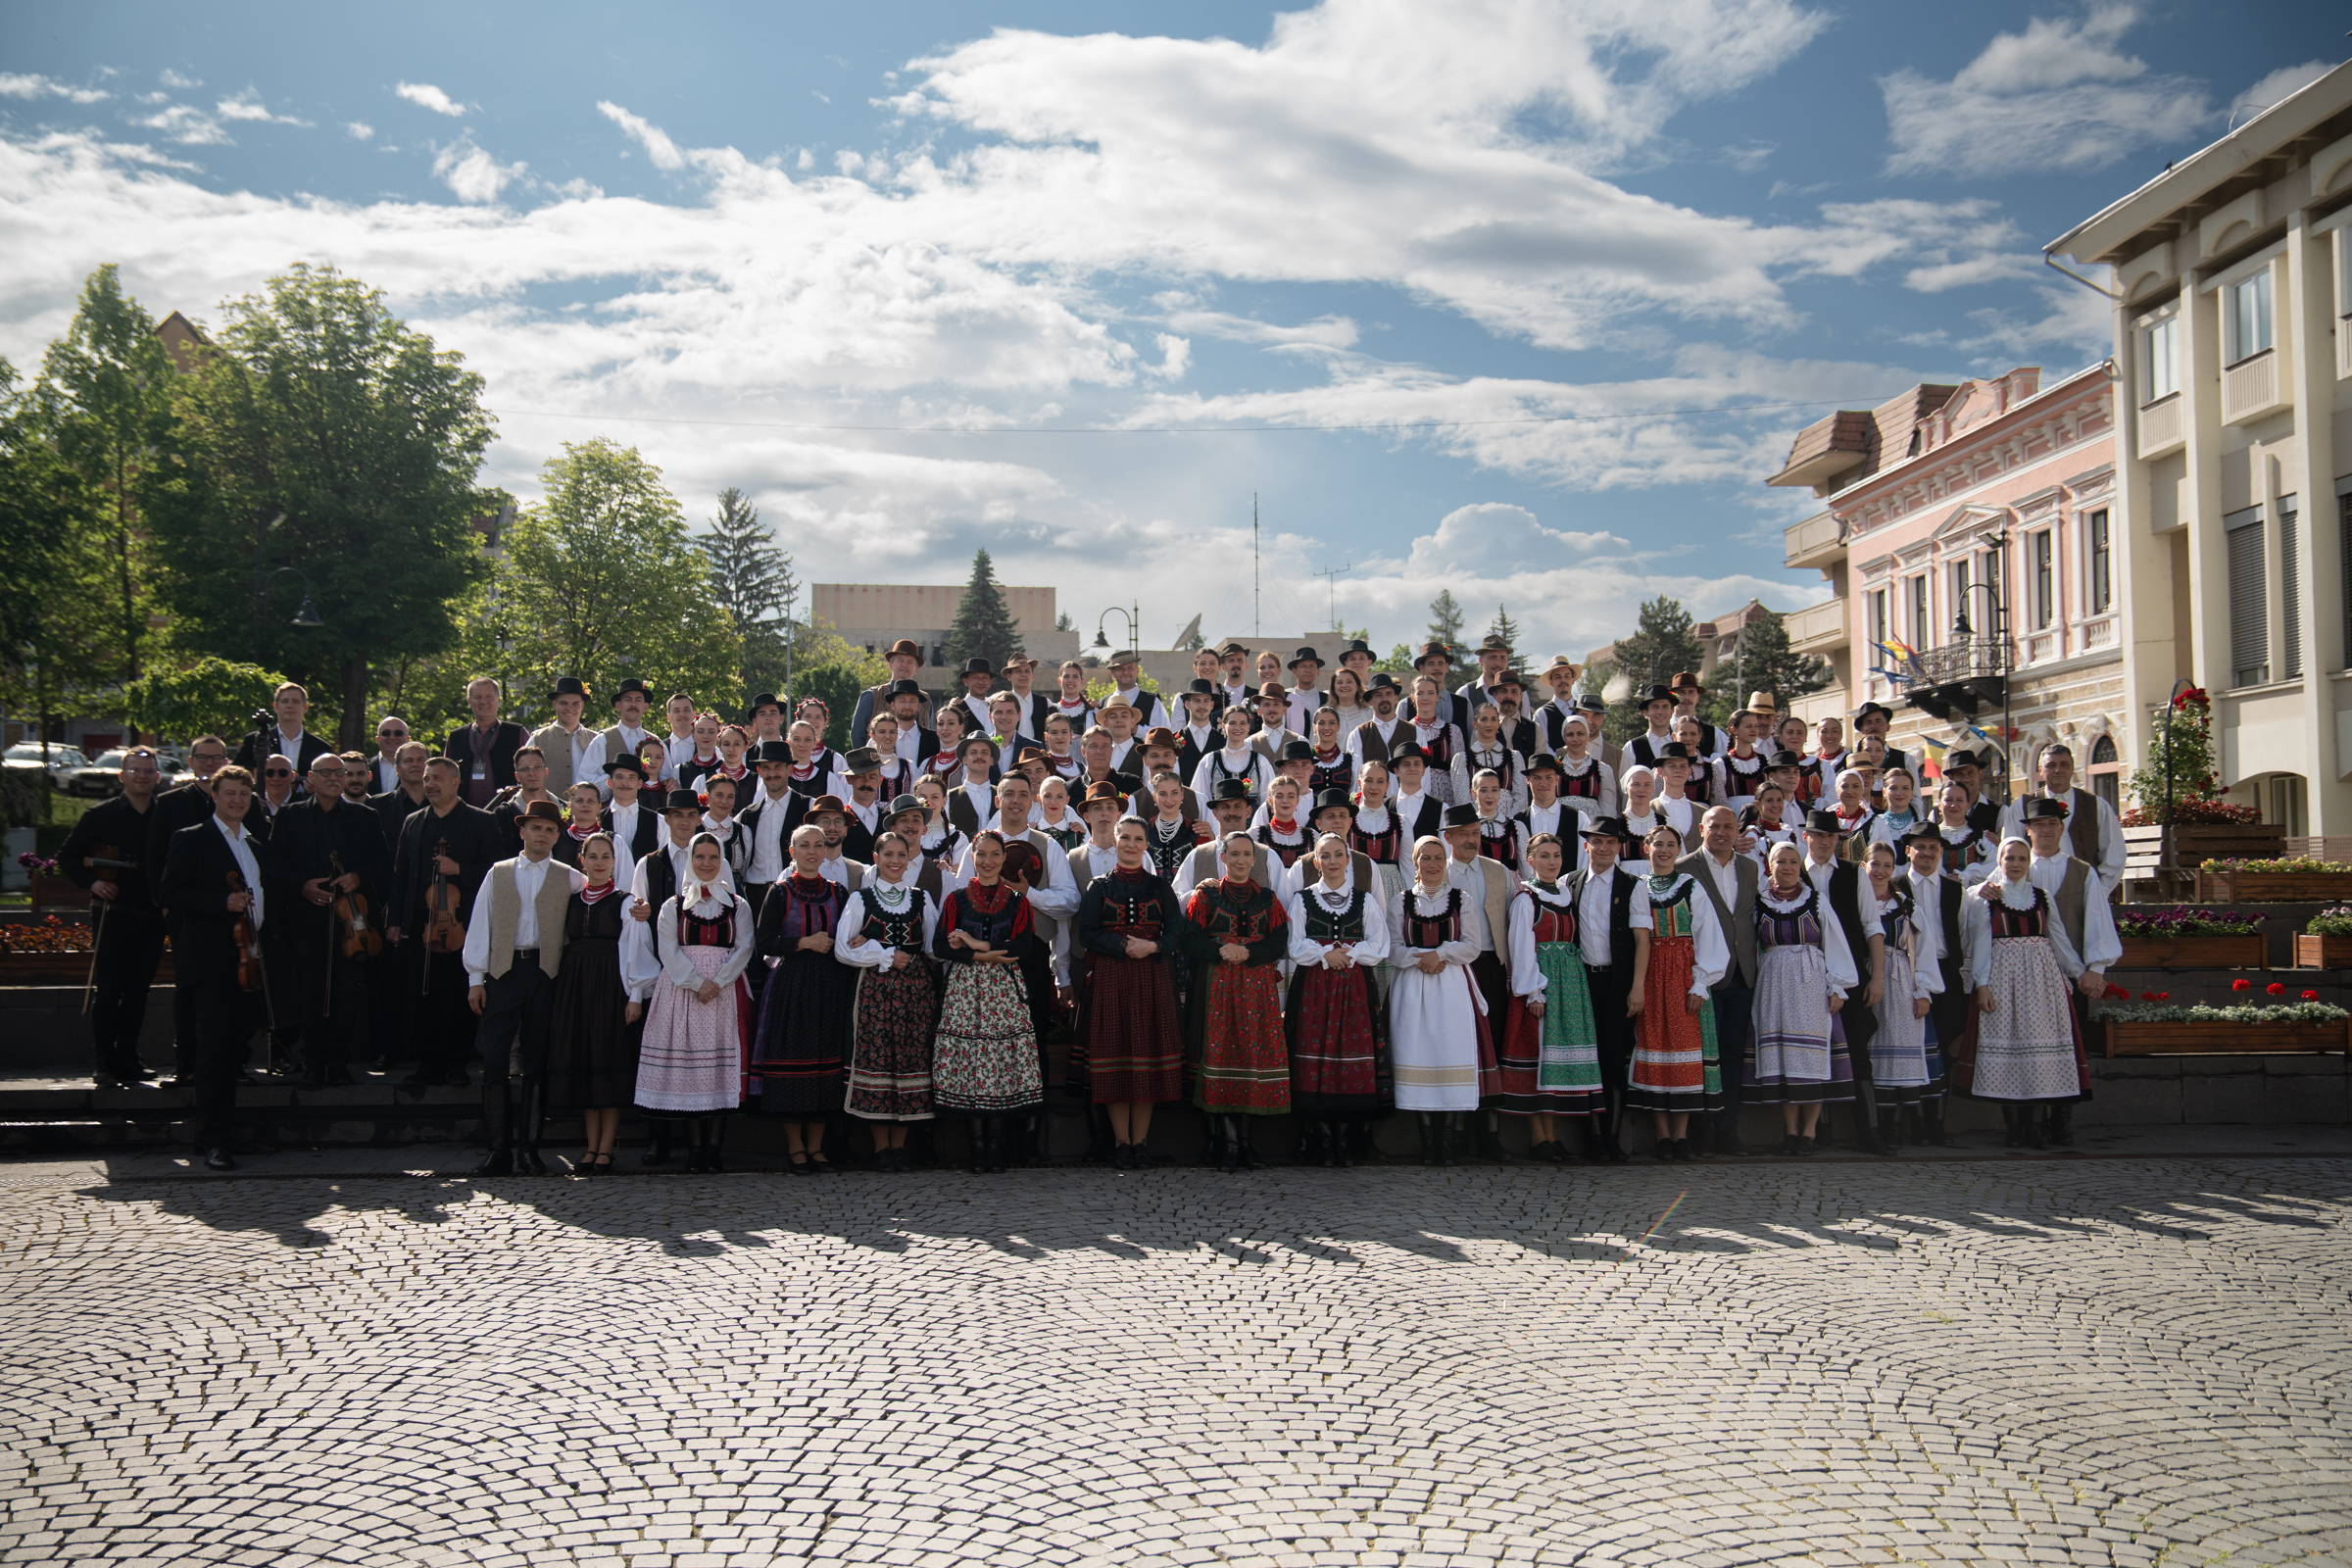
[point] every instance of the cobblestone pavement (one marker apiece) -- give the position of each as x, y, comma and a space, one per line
2113, 1361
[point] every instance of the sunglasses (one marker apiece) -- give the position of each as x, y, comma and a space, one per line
277, 773
391, 734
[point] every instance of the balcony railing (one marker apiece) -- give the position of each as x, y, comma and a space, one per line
1821, 625
1975, 657
1815, 542
2250, 387
2162, 424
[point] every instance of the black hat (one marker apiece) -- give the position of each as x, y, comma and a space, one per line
861, 760
902, 805
1961, 756
1231, 647
763, 700
1603, 827
773, 752
1923, 831
626, 763
1674, 751
1783, 760
1405, 748
2043, 808
1232, 789
1329, 800
1430, 651
977, 666
1299, 752
1542, 762
1304, 655
568, 686
1658, 693
1868, 709
1381, 681
628, 686
905, 688
1592, 703
1494, 643
681, 801
1201, 688
1823, 823
1464, 815
1355, 645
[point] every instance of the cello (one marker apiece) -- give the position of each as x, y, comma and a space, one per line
359, 936
444, 931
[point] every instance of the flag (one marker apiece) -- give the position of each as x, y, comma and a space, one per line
1931, 750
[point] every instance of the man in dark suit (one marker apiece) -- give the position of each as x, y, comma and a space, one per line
484, 749
462, 842
904, 659
1846, 888
213, 878
399, 967
1730, 879
1952, 1010
176, 809
320, 846
284, 735
1607, 899
105, 856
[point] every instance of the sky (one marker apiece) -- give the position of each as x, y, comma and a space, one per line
1516, 298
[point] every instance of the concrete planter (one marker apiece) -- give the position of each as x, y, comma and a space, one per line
2124, 1038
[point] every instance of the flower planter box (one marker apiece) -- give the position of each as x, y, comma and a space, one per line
59, 969
2197, 843
2132, 1038
2273, 887
2246, 951
2322, 953
58, 893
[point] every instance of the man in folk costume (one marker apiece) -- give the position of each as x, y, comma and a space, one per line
1612, 923
1936, 897
1966, 768
1125, 684
1200, 735
1597, 712
1518, 731
831, 819
916, 739
1419, 813
513, 946
633, 822
2094, 834
1373, 739
1559, 677
568, 745
1488, 883
323, 846
1846, 888
1730, 880
1688, 694
1020, 677
1274, 731
1657, 711
764, 721
627, 735
2079, 898
904, 659
768, 817
861, 766
1545, 810
1306, 675
1871, 722
1493, 657
1232, 806
1233, 684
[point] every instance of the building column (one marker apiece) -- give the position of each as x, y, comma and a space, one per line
2310, 297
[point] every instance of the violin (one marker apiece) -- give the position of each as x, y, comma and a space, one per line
249, 946
444, 932
358, 935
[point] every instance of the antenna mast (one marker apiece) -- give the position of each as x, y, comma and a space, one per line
1258, 624
1331, 577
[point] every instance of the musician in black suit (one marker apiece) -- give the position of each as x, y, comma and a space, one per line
317, 848
399, 976
213, 878
407, 797
284, 735
130, 925
462, 842
484, 749
175, 809
1730, 880
1613, 949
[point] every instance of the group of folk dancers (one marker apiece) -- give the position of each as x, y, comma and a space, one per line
1292, 901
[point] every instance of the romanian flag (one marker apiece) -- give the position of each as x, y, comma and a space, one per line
1931, 752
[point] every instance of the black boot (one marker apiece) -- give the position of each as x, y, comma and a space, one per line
1229, 1138
976, 1129
1335, 1146
1891, 1137
1449, 1139
2062, 1124
717, 1135
526, 1137
1488, 1138
1429, 1137
1931, 1123
498, 1124
659, 1148
1245, 1152
1865, 1120
1215, 1128
2011, 1136
1596, 1143
997, 1136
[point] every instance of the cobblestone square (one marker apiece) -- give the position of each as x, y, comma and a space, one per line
2089, 1361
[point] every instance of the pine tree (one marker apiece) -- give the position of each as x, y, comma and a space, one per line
1663, 644
753, 580
984, 624
1445, 622
1766, 664
1505, 627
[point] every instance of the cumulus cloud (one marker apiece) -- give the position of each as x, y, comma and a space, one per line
173, 78
658, 148
472, 174
2062, 94
15, 84
359, 131
425, 95
2279, 84
248, 105
187, 124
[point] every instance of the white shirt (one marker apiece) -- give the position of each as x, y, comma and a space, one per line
387, 776
2110, 869
768, 838
1592, 914
621, 822
1385, 728
1304, 949
2101, 946
681, 751
240, 845
1866, 901
529, 876
1724, 874
681, 864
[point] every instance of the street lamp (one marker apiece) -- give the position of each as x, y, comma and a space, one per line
304, 618
1996, 540
1133, 617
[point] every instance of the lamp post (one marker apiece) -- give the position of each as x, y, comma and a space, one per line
1133, 616
1998, 542
304, 618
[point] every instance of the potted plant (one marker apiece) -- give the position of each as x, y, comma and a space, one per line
45, 953
50, 890
2186, 937
2178, 816
2166, 1028
2289, 881
2327, 942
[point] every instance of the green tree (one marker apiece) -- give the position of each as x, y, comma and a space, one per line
601, 579
832, 669
208, 696
1766, 664
1663, 642
984, 626
753, 581
1505, 627
1445, 622
107, 385
321, 410
52, 625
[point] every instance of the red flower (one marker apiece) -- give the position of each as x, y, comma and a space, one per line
2163, 996
2311, 996
2242, 985
2275, 989
2148, 996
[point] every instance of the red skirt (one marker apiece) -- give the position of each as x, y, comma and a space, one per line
1134, 1046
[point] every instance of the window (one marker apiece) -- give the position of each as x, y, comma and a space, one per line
1919, 612
2106, 771
1878, 615
2249, 600
2248, 316
2044, 579
2100, 590
2343, 525
1960, 605
2160, 357
2291, 587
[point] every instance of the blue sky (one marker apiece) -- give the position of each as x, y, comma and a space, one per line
724, 233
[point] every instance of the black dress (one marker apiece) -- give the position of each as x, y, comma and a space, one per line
591, 1050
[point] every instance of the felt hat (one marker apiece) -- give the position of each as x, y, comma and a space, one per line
1381, 681
1920, 831
1430, 651
1674, 751
773, 752
1823, 823
1299, 752
1493, 643
1331, 800
1781, 760
1304, 655
903, 647
977, 666
1231, 647
1509, 677
1104, 792
1404, 749
1658, 693
1016, 660
681, 801
1229, 789
540, 812
1685, 681
1592, 703
1603, 827
861, 760
2044, 808
904, 688
1273, 688
1161, 735
628, 762
828, 803
568, 686
1542, 762
1355, 645
626, 687
1201, 688
904, 804
1463, 815
1868, 709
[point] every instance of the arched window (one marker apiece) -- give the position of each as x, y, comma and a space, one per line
2106, 771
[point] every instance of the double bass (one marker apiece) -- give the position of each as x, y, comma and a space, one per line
356, 933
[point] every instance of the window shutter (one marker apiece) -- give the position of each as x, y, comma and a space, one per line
2249, 605
2290, 586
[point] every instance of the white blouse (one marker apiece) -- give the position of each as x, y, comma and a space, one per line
868, 899
1305, 951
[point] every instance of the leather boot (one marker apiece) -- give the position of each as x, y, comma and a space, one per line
1487, 1140
526, 1137
1890, 1139
976, 1131
1450, 1139
498, 1123
1244, 1147
1335, 1146
999, 1137
659, 1145
717, 1135
1931, 1123
2011, 1137
1215, 1128
1596, 1140
2062, 1124
1866, 1120
1428, 1126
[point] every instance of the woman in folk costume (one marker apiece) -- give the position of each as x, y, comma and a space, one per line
593, 1017
954, 726
1129, 930
689, 1065
1284, 832
719, 795
1237, 935
2027, 1052
984, 1065
1854, 813
1486, 750
886, 931
898, 773
1169, 836
1439, 741
942, 843
1339, 1074
1905, 1062
804, 1039
1056, 819
1438, 1031
1549, 1058
1376, 834
1332, 768
1968, 852
1502, 836
812, 764
1705, 785
1236, 759
1675, 1068
1641, 801
1895, 825
1349, 706
584, 808
1796, 1052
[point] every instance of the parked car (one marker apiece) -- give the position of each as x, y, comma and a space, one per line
104, 775
61, 760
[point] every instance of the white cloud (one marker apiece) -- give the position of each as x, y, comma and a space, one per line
14, 85
472, 174
173, 78
248, 105
1176, 356
2274, 88
658, 148
2060, 95
359, 131
425, 95
187, 124
1323, 332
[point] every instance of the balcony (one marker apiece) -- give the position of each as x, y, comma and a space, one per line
2250, 388
1963, 677
1816, 627
1818, 541
2343, 347
2163, 425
